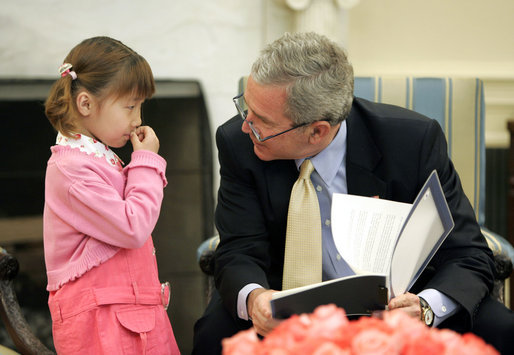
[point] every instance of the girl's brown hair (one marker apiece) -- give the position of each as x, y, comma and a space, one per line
104, 67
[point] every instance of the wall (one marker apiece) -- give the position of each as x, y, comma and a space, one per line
210, 41
441, 37
216, 41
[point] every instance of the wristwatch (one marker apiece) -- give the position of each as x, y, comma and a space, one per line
427, 315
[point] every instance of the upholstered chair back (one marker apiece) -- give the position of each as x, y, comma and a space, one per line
458, 105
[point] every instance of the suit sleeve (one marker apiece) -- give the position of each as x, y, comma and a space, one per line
242, 256
463, 267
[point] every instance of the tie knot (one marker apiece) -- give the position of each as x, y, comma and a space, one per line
306, 169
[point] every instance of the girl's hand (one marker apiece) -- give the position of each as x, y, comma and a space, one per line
144, 137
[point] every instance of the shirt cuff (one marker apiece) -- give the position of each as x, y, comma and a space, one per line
442, 305
242, 310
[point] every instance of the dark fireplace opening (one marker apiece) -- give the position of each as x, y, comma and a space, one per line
178, 114
25, 149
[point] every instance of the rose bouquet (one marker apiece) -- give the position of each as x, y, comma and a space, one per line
327, 331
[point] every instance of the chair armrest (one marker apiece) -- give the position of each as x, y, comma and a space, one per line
19, 331
498, 244
503, 253
503, 266
205, 254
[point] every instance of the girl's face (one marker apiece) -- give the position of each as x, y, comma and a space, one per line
112, 120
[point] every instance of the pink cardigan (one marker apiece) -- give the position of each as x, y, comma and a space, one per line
92, 209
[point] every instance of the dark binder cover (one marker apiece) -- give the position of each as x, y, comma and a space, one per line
358, 294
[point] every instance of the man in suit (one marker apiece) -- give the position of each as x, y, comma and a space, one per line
300, 104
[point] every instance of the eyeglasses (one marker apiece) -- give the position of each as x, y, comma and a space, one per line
255, 132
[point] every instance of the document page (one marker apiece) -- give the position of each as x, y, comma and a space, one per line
365, 230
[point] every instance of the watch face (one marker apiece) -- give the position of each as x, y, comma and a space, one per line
429, 316
427, 313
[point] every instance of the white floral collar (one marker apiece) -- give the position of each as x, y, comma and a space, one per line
90, 146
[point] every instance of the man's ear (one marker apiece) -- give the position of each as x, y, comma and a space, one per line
84, 103
319, 131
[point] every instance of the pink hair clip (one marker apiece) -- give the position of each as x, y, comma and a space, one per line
65, 69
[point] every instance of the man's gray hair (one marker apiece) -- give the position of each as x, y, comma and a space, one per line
316, 73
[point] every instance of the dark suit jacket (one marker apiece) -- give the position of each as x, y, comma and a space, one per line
390, 153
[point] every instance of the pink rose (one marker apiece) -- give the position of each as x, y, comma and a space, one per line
327, 319
327, 331
401, 321
426, 344
374, 341
345, 337
273, 352
243, 343
288, 334
372, 323
329, 323
329, 348
470, 344
449, 338
406, 328
305, 334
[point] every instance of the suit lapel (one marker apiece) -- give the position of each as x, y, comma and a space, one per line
280, 178
362, 158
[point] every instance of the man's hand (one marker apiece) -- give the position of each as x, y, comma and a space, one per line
259, 310
408, 302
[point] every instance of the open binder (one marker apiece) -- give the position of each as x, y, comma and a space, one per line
387, 243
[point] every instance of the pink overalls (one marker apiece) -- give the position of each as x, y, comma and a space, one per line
117, 307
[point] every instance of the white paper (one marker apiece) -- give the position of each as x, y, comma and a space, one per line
392, 238
356, 223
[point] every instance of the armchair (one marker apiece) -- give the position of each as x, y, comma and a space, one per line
458, 105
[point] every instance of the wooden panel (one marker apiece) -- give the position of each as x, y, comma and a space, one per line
18, 230
497, 190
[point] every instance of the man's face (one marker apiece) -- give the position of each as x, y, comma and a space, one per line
266, 111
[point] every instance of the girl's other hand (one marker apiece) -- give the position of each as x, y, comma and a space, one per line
144, 137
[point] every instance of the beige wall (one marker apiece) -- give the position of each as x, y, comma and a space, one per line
440, 37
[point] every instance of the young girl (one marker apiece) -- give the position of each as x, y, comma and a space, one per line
105, 295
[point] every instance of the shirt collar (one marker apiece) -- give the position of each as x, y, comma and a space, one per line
90, 146
324, 161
